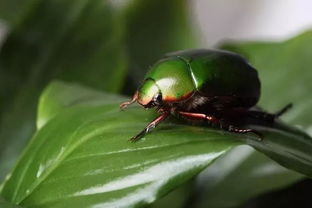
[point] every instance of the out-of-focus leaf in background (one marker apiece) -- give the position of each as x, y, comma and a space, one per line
13, 11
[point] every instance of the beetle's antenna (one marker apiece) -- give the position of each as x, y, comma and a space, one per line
125, 104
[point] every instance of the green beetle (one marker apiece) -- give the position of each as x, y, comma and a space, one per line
213, 85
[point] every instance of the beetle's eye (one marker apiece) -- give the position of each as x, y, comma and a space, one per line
157, 99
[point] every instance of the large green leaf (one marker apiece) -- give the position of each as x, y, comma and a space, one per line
81, 157
5, 204
217, 186
240, 175
178, 198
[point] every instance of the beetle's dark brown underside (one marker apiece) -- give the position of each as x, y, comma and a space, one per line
223, 112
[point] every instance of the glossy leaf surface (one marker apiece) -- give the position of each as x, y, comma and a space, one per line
5, 204
241, 174
81, 156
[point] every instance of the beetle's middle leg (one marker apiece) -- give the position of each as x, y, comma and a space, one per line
150, 126
220, 122
198, 116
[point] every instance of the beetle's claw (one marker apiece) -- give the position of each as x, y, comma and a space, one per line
138, 136
124, 105
259, 135
133, 139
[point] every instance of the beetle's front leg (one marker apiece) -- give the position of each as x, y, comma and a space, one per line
124, 105
150, 126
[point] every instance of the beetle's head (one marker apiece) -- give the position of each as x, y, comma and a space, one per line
149, 94
168, 82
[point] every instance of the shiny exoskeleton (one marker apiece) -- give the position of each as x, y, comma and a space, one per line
212, 85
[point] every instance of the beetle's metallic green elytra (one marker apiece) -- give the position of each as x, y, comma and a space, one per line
208, 72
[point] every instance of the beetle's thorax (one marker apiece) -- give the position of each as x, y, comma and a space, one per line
168, 79
148, 93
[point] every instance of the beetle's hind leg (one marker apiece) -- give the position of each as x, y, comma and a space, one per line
236, 129
221, 123
224, 124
